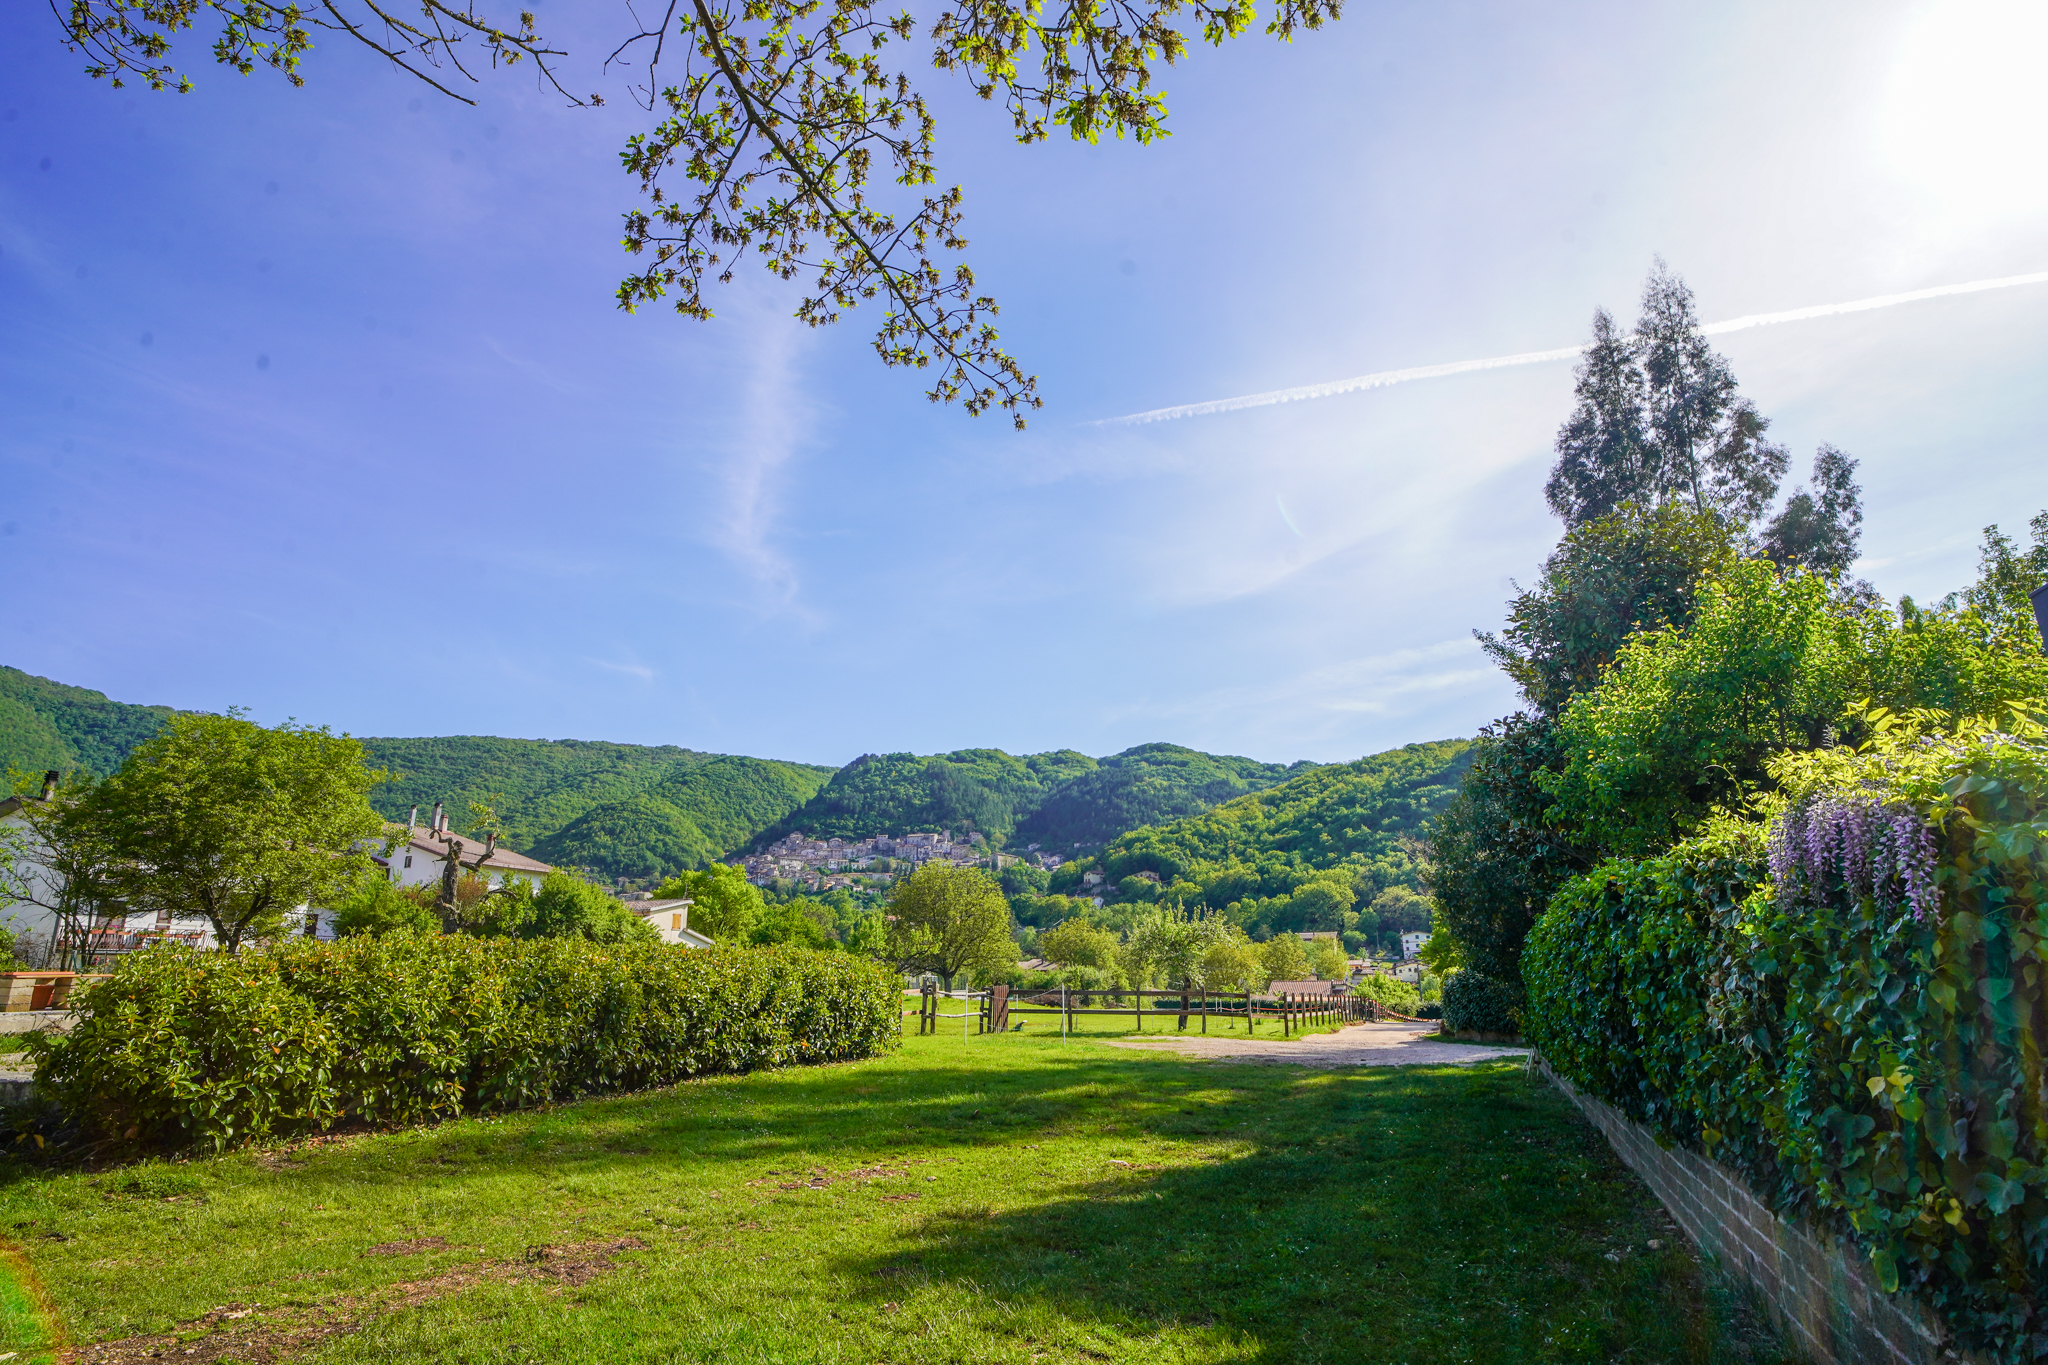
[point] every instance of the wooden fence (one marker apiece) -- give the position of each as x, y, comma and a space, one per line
1292, 1010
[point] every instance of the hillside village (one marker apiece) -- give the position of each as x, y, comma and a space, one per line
829, 864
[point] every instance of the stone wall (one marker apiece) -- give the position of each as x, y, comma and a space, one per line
1819, 1289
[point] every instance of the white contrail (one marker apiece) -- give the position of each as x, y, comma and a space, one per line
1383, 378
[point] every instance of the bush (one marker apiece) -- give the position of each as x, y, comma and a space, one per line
1398, 996
1430, 1011
180, 1048
1859, 1035
1474, 1003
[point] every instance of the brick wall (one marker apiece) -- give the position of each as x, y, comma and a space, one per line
1819, 1289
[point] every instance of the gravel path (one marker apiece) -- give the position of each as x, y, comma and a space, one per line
1354, 1045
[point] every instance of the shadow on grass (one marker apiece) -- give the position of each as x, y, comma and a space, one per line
1276, 1213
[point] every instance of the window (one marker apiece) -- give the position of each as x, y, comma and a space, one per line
408, 860
675, 921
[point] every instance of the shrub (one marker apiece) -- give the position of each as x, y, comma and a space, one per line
1431, 1011
182, 1048
1859, 1035
1398, 996
1481, 1004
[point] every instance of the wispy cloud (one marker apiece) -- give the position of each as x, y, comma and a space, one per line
772, 424
640, 671
1396, 683
1383, 378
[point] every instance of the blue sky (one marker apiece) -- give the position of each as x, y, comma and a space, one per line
316, 402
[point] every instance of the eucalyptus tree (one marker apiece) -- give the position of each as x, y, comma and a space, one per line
778, 128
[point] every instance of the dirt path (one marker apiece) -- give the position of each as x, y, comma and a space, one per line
1353, 1045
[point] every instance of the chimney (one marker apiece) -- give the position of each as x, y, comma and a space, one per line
440, 819
50, 785
2040, 600
412, 821
490, 847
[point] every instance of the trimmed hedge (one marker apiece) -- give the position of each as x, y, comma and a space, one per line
183, 1048
1481, 1004
1851, 1015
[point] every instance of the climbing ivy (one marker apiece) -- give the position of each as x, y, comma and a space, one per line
1845, 1000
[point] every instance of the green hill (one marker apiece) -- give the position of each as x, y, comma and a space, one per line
968, 790
1060, 800
626, 810
1343, 822
46, 725
1147, 785
644, 811
630, 810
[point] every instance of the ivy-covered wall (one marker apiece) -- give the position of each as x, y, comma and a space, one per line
1844, 1003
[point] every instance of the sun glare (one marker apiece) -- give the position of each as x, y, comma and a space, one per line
1966, 114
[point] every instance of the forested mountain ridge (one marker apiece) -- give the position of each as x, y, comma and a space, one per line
45, 724
1344, 824
1146, 785
1060, 799
631, 810
646, 811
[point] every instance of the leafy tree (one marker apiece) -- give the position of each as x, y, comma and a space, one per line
1688, 720
1284, 959
1659, 422
1401, 910
781, 112
377, 907
569, 907
2006, 579
220, 819
726, 907
1496, 855
1608, 578
1171, 945
868, 935
1443, 954
1234, 963
1326, 960
949, 919
799, 922
1077, 943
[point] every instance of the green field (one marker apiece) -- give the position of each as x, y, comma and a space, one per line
1010, 1198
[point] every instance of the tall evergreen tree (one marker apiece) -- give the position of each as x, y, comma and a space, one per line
1690, 390
1602, 455
1818, 527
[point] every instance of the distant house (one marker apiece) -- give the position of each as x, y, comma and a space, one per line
670, 919
1411, 943
1410, 972
419, 859
1320, 933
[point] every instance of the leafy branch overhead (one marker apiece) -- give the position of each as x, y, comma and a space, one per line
780, 120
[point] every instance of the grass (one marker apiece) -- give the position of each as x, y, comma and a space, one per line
1014, 1198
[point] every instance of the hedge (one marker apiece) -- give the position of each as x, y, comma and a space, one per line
1481, 1004
182, 1048
1851, 1015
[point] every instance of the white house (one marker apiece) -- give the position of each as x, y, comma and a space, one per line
1410, 972
1411, 943
671, 919
30, 877
32, 920
418, 859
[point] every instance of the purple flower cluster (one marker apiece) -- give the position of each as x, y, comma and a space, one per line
1854, 843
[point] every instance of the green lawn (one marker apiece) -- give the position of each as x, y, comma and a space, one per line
1015, 1198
